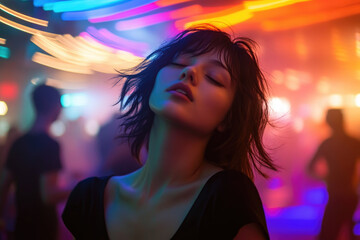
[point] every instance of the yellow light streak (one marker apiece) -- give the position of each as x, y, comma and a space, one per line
59, 64
263, 5
2, 41
221, 19
24, 17
308, 19
25, 28
51, 46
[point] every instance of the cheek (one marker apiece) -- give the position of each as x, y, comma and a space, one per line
217, 106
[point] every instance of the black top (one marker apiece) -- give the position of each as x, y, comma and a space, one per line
29, 157
228, 201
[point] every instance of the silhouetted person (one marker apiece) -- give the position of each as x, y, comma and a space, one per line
341, 153
115, 153
33, 164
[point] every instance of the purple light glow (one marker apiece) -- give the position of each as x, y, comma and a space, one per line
158, 18
109, 39
126, 14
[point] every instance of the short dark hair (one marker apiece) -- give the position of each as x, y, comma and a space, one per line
45, 98
240, 145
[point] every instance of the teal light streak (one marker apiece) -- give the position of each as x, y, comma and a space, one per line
4, 52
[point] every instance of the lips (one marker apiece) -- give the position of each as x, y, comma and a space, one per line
182, 89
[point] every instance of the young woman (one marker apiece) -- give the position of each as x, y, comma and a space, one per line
198, 104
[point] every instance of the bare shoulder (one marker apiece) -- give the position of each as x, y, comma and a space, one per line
250, 231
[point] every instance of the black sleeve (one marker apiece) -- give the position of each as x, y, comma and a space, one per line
84, 212
239, 203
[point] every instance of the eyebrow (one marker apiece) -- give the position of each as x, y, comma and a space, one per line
218, 63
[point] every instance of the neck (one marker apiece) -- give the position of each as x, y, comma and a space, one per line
175, 157
41, 124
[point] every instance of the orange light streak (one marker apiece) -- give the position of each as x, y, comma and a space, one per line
59, 64
25, 28
221, 19
263, 5
165, 3
51, 46
24, 17
2, 41
308, 19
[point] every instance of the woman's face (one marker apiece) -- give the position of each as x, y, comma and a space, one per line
194, 92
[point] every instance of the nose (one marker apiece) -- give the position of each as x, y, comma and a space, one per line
188, 74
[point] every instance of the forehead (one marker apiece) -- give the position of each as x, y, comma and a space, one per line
213, 57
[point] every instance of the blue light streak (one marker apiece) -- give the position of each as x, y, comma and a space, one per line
78, 5
104, 12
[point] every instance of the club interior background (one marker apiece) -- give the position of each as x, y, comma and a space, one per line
309, 50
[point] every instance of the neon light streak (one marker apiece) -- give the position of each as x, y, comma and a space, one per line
307, 19
25, 28
39, 3
58, 64
269, 4
23, 16
2, 41
51, 46
82, 54
126, 14
78, 5
104, 12
165, 3
137, 11
158, 18
112, 40
220, 19
4, 52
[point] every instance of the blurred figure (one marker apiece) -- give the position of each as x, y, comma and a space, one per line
115, 153
33, 164
9, 208
341, 152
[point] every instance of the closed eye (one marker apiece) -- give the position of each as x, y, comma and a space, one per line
213, 81
178, 64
